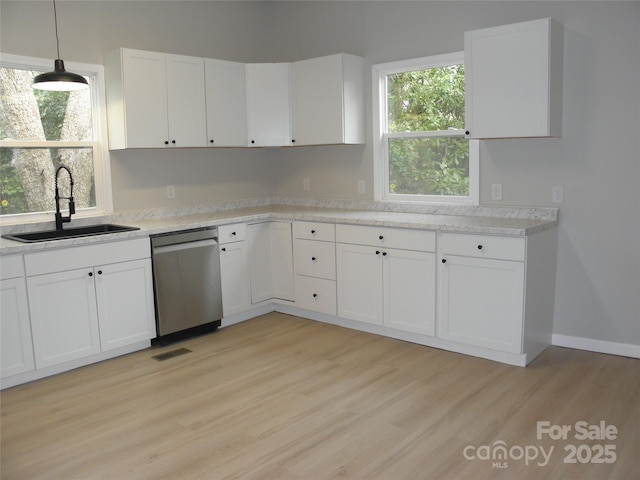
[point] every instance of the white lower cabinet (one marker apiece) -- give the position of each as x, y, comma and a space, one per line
15, 328
64, 316
315, 266
271, 261
80, 307
234, 269
388, 282
482, 291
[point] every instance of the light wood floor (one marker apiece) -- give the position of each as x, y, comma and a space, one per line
281, 397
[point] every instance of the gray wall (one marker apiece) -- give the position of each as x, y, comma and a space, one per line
597, 160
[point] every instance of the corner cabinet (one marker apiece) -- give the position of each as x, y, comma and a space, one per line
89, 299
327, 100
513, 80
268, 105
155, 100
271, 261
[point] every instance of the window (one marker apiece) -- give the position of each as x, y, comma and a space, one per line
42, 130
421, 153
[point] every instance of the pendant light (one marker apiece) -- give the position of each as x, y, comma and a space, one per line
59, 80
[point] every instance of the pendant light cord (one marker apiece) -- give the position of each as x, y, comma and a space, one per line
55, 19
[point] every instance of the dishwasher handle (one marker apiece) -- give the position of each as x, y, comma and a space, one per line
175, 247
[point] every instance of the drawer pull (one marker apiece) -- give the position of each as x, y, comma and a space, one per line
444, 260
315, 295
223, 249
313, 232
480, 247
233, 234
313, 259
384, 254
91, 274
381, 237
377, 252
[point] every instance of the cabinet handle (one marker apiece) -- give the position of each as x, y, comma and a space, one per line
293, 140
253, 141
380, 237
233, 233
377, 252
211, 141
173, 141
313, 259
444, 260
313, 232
91, 274
99, 272
384, 254
223, 249
467, 132
315, 295
166, 142
479, 247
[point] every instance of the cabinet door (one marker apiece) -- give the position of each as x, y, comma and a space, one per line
327, 100
268, 110
482, 302
64, 319
260, 265
226, 103
234, 271
409, 290
15, 328
124, 294
282, 260
186, 101
316, 101
513, 78
359, 282
145, 98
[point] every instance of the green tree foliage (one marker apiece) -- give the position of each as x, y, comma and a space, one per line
427, 100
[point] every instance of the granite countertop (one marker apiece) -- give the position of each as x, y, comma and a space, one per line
479, 220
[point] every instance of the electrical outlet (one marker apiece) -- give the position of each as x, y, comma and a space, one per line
171, 191
496, 191
306, 184
557, 194
362, 186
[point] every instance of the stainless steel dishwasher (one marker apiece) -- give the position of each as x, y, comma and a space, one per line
187, 285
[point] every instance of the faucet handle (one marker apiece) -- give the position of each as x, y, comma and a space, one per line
72, 206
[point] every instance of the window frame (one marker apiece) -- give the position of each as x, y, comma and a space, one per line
381, 136
101, 159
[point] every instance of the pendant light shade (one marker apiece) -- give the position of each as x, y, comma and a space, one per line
59, 80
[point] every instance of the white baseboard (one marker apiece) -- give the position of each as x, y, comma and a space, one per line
600, 346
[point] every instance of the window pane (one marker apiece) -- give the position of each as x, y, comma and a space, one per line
429, 166
424, 100
39, 115
27, 178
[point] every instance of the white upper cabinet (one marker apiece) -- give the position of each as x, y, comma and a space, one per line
513, 76
155, 100
226, 103
268, 105
327, 100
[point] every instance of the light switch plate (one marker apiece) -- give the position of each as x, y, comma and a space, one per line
496, 191
557, 194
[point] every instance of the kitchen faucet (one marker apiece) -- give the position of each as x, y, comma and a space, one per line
72, 206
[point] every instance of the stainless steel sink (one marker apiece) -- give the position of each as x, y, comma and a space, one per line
73, 232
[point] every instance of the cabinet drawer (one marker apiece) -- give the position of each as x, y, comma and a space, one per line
483, 246
11, 266
72, 258
421, 240
316, 294
314, 231
315, 259
236, 232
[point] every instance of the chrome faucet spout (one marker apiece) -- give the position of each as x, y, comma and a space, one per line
72, 206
